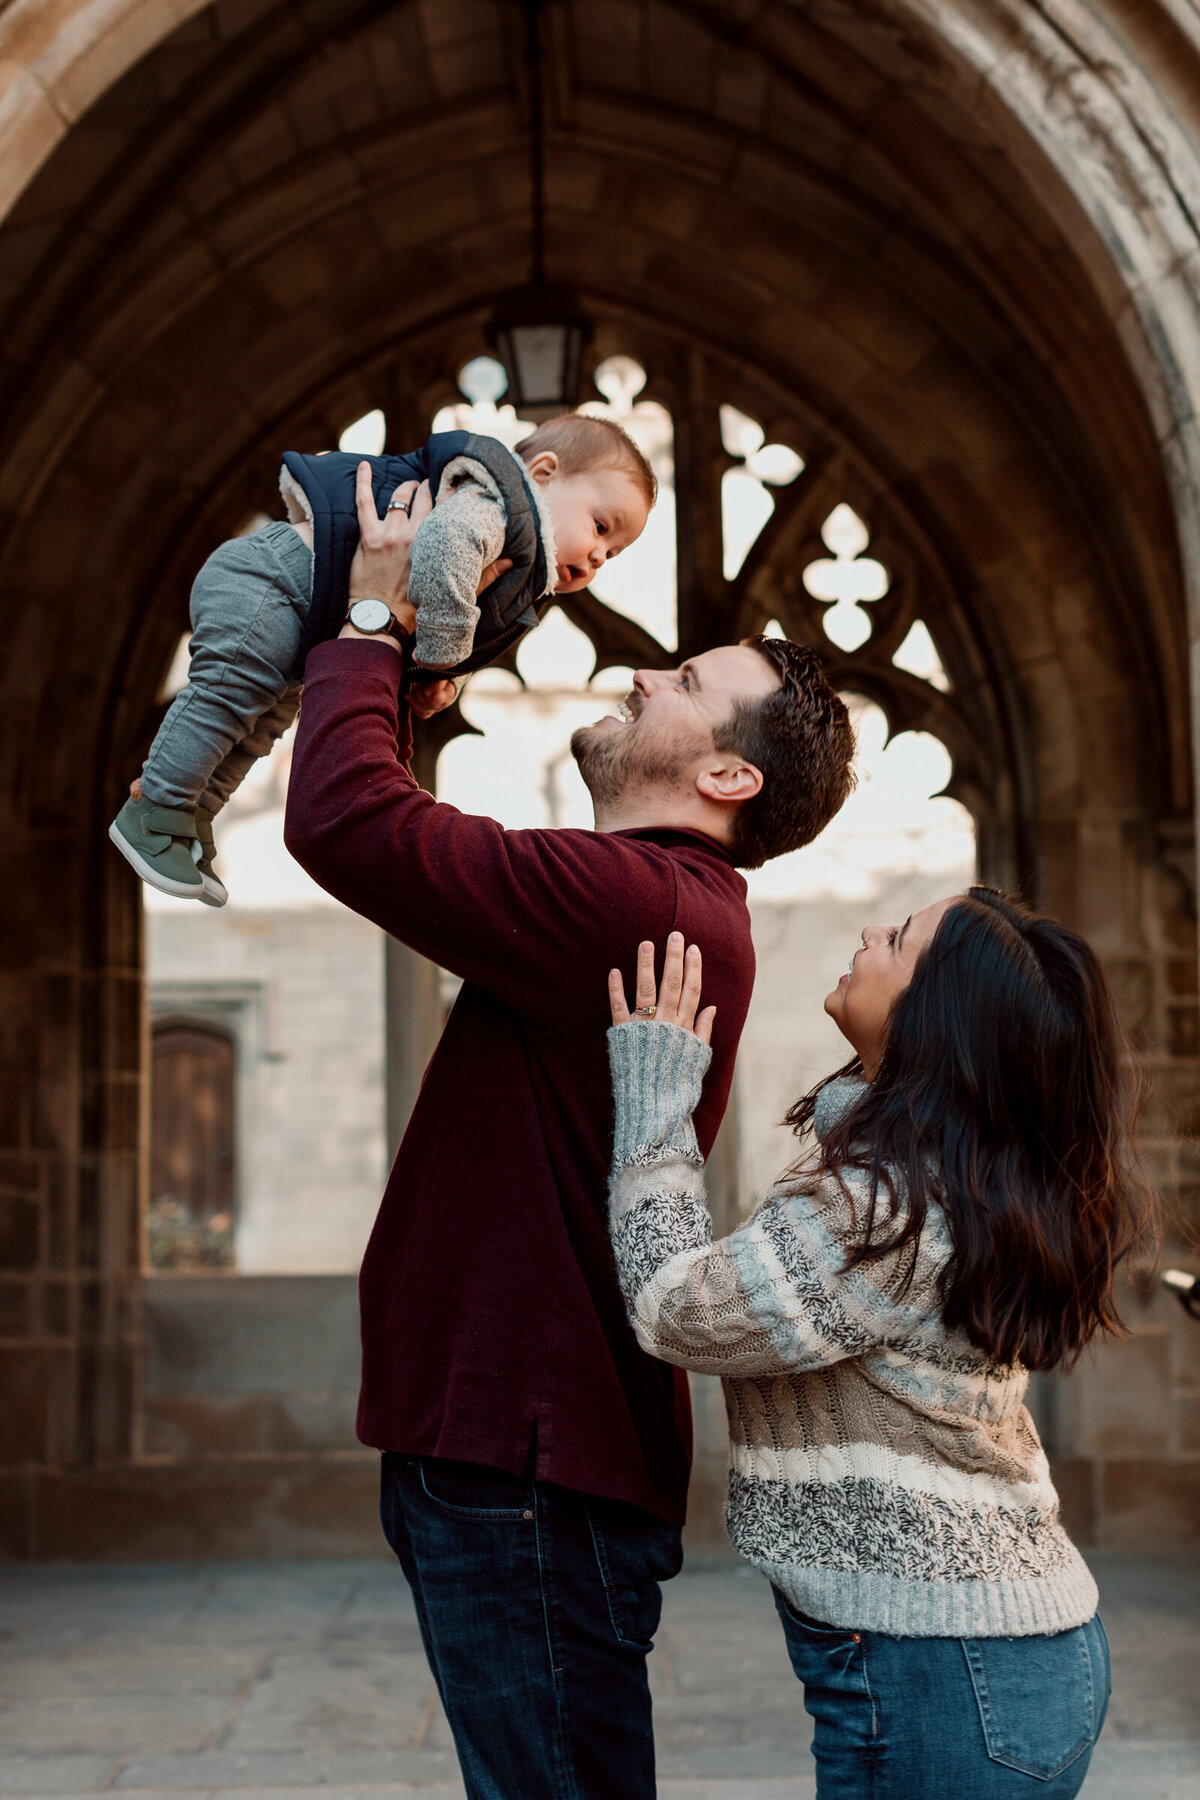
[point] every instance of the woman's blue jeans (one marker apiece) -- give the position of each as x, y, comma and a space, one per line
949, 1718
537, 1608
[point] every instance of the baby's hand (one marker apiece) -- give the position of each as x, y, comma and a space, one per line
428, 697
135, 788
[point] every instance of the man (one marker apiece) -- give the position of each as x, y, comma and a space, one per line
535, 1461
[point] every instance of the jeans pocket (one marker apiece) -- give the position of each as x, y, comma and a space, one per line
634, 1553
473, 1491
816, 1630
1037, 1699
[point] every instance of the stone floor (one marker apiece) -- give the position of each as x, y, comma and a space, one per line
255, 1681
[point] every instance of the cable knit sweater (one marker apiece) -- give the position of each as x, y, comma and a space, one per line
883, 1474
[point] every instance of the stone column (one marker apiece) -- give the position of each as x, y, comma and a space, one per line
71, 1113
705, 608
414, 1024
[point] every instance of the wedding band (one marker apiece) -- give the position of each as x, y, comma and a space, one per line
646, 1012
400, 506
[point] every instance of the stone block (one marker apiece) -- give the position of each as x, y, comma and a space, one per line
16, 1308
1183, 974
30, 126
740, 89
1187, 1423
189, 1427
20, 1232
19, 1034
55, 1124
58, 1312
20, 1173
35, 1396
1183, 1030
1151, 1501
270, 1508
246, 1336
14, 1112
1117, 1401
59, 1206
1075, 1478
1132, 982
16, 1516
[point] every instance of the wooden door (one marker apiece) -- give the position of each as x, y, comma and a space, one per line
192, 1170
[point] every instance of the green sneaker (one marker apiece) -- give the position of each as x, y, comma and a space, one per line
160, 843
215, 892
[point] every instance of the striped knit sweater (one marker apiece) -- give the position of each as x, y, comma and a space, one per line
883, 1474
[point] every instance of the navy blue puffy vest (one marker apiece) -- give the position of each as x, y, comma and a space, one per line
507, 610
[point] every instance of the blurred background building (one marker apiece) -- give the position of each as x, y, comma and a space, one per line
900, 297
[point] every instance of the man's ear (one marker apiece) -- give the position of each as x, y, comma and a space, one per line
544, 467
729, 784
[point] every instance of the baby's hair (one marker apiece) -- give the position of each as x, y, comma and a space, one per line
582, 444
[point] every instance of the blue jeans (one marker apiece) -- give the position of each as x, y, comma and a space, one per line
949, 1718
537, 1608
249, 605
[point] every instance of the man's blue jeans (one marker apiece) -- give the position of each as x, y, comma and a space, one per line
949, 1718
537, 1608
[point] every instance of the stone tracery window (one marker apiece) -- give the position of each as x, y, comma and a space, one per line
846, 579
641, 582
746, 499
798, 554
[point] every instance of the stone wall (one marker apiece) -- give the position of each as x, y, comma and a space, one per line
301, 989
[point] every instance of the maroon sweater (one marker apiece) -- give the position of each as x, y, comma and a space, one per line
491, 1318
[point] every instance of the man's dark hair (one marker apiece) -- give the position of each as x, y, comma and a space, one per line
801, 740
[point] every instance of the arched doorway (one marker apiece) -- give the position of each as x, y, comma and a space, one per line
896, 249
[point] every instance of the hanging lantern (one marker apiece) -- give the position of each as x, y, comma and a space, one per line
539, 333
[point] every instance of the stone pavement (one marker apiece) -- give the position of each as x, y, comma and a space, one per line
255, 1681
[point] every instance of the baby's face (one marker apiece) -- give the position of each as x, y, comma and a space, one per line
595, 515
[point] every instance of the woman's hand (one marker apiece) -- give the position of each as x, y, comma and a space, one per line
675, 1001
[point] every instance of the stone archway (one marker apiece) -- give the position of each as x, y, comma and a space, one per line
935, 249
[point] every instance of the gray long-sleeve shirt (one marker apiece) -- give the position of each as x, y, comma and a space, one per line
454, 544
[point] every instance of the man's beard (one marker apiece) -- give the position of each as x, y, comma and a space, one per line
616, 764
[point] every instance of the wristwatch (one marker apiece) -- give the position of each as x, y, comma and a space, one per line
372, 617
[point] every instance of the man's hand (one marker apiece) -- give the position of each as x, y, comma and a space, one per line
380, 567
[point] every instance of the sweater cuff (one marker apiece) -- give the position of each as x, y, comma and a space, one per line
357, 656
657, 1074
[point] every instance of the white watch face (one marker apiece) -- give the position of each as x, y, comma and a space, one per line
370, 615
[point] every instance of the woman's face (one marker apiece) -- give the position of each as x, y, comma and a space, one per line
861, 1003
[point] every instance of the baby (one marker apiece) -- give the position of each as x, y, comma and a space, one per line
574, 493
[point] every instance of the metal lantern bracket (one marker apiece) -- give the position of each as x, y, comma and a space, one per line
539, 331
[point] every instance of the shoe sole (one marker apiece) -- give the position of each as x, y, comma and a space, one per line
215, 892
179, 890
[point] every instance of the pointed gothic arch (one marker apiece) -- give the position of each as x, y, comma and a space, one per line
932, 246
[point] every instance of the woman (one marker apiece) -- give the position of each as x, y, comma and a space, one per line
959, 1222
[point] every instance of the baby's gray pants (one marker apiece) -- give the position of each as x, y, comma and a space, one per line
249, 605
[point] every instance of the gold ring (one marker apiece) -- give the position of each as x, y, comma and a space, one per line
646, 1012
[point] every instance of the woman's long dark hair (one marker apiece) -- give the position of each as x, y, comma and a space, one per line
1006, 1093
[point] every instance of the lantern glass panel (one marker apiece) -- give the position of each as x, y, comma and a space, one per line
539, 354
